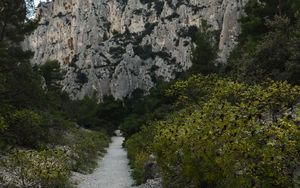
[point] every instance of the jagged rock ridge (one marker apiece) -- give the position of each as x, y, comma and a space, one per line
112, 47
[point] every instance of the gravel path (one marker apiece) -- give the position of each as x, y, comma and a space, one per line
113, 170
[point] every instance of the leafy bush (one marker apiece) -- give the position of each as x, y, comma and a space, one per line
237, 135
242, 136
36, 114
139, 164
86, 147
47, 168
269, 58
76, 149
268, 43
24, 128
89, 113
141, 109
139, 149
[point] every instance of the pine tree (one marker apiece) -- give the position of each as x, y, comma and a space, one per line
205, 52
17, 79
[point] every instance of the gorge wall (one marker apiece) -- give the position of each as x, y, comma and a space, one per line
112, 47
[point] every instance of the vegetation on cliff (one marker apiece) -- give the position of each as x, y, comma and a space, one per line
236, 125
42, 135
233, 125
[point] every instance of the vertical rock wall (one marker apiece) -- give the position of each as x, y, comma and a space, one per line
112, 47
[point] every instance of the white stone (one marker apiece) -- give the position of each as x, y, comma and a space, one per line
81, 35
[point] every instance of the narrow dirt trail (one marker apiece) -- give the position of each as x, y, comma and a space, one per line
113, 170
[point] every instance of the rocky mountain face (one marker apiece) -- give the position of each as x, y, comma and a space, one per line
112, 47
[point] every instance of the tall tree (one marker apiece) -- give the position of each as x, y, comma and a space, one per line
17, 80
14, 19
205, 52
258, 12
268, 41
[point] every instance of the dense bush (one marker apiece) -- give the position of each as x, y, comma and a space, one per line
139, 149
272, 57
41, 117
36, 117
140, 109
86, 147
241, 136
24, 128
47, 168
238, 132
89, 113
74, 149
259, 12
268, 43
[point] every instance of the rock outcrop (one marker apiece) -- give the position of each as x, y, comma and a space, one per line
112, 47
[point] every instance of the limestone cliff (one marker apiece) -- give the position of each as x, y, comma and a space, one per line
112, 47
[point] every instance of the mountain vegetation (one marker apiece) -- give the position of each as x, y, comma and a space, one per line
43, 135
216, 125
233, 125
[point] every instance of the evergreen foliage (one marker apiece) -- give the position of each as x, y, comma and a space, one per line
240, 135
34, 113
204, 53
47, 168
239, 128
140, 109
270, 33
51, 73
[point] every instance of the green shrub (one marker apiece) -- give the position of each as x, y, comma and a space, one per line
242, 136
141, 109
227, 134
268, 43
47, 168
24, 128
139, 147
138, 166
86, 148
56, 127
